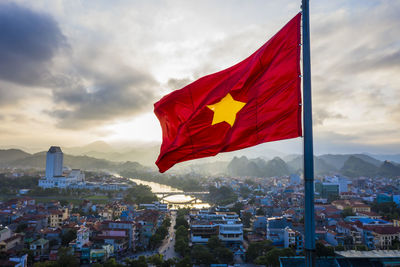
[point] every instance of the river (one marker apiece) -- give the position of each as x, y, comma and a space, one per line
156, 187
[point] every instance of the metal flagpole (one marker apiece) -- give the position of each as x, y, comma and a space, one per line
308, 142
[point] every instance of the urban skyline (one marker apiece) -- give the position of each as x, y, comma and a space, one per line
103, 66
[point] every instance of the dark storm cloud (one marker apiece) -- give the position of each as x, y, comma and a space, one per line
28, 42
108, 97
90, 88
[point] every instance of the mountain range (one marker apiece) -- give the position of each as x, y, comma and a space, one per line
102, 156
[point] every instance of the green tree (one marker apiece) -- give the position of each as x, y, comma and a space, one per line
222, 196
185, 262
68, 237
140, 262
182, 246
261, 260
46, 264
223, 255
156, 260
323, 251
237, 207
66, 258
182, 232
167, 222
245, 191
246, 219
155, 240
183, 212
112, 263
181, 221
214, 242
169, 263
201, 255
258, 249
347, 212
271, 258
21, 227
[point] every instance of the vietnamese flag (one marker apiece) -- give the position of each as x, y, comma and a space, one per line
255, 101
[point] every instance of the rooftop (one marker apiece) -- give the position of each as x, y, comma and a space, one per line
55, 149
369, 254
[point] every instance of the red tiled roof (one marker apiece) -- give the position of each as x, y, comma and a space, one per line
386, 230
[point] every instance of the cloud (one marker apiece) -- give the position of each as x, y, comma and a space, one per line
88, 80
28, 42
107, 94
175, 84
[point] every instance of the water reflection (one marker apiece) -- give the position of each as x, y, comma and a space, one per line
156, 187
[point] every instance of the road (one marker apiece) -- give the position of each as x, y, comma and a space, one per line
167, 247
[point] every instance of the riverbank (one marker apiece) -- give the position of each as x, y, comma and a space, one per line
179, 201
188, 182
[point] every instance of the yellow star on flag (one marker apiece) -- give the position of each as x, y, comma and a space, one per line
226, 109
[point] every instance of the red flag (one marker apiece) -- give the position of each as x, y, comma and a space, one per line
255, 101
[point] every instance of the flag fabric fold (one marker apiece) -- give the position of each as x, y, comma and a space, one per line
255, 101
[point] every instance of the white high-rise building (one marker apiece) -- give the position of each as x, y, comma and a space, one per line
54, 171
54, 162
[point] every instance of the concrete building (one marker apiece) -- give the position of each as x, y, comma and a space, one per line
54, 162
56, 217
295, 179
226, 225
293, 239
154, 206
40, 248
54, 171
129, 226
276, 228
82, 236
328, 191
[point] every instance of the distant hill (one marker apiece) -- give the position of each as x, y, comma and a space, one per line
8, 155
210, 168
389, 169
390, 157
321, 167
352, 165
257, 167
20, 159
355, 167
95, 146
144, 154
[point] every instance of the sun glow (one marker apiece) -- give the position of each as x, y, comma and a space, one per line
144, 128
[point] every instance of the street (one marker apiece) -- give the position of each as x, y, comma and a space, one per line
167, 247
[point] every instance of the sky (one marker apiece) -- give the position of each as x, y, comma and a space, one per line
75, 72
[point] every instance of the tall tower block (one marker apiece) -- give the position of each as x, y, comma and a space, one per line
54, 162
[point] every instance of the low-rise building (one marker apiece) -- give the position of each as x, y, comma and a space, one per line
276, 228
293, 239
226, 225
40, 248
57, 216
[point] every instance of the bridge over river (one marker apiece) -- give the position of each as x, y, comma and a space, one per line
194, 195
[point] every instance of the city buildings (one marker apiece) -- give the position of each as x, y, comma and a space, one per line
226, 225
55, 177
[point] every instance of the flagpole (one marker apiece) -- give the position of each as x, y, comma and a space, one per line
309, 222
